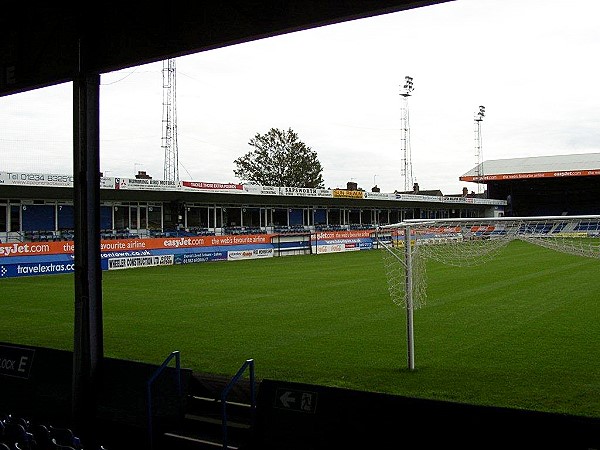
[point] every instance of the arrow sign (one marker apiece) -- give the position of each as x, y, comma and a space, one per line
295, 400
287, 398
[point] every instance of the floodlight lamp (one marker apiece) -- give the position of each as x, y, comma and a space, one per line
408, 86
480, 114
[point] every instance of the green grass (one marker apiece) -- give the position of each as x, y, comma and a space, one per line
520, 331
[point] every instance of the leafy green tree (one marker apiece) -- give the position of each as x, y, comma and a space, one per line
279, 158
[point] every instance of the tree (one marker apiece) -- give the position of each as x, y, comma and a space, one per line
279, 158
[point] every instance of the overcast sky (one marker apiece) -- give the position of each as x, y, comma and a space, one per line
533, 64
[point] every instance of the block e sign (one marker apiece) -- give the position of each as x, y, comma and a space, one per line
15, 361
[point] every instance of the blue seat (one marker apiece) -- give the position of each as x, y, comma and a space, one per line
16, 434
42, 437
64, 437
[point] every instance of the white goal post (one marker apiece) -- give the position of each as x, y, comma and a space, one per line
468, 241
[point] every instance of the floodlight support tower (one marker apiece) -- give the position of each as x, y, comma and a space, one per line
478, 119
405, 92
169, 122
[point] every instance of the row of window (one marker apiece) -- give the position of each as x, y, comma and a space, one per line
148, 218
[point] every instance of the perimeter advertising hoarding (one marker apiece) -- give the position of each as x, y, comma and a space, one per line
342, 241
47, 258
205, 256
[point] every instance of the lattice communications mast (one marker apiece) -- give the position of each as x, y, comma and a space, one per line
478, 119
405, 92
169, 122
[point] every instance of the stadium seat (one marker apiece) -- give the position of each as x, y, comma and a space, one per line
15, 433
64, 437
58, 446
42, 437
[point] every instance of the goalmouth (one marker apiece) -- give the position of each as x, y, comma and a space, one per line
465, 242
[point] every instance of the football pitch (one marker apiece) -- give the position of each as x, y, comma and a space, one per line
520, 331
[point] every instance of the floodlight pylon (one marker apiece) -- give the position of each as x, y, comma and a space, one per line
478, 153
169, 122
407, 173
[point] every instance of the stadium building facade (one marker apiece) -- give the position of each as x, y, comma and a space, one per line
36, 202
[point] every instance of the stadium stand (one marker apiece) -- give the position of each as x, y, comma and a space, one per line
35, 28
265, 415
544, 185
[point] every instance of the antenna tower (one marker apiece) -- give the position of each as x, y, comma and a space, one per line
405, 92
478, 119
169, 121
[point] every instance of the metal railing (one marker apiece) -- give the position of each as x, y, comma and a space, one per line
151, 380
249, 364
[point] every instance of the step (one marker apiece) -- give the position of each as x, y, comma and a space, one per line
210, 407
193, 420
201, 426
171, 441
207, 432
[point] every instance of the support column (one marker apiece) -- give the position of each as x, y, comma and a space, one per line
88, 329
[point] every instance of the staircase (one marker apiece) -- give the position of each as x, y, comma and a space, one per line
202, 426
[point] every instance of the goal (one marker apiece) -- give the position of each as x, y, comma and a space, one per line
465, 242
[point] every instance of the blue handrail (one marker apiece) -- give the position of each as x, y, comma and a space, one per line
155, 375
248, 364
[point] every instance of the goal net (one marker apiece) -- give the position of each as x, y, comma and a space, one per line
466, 242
